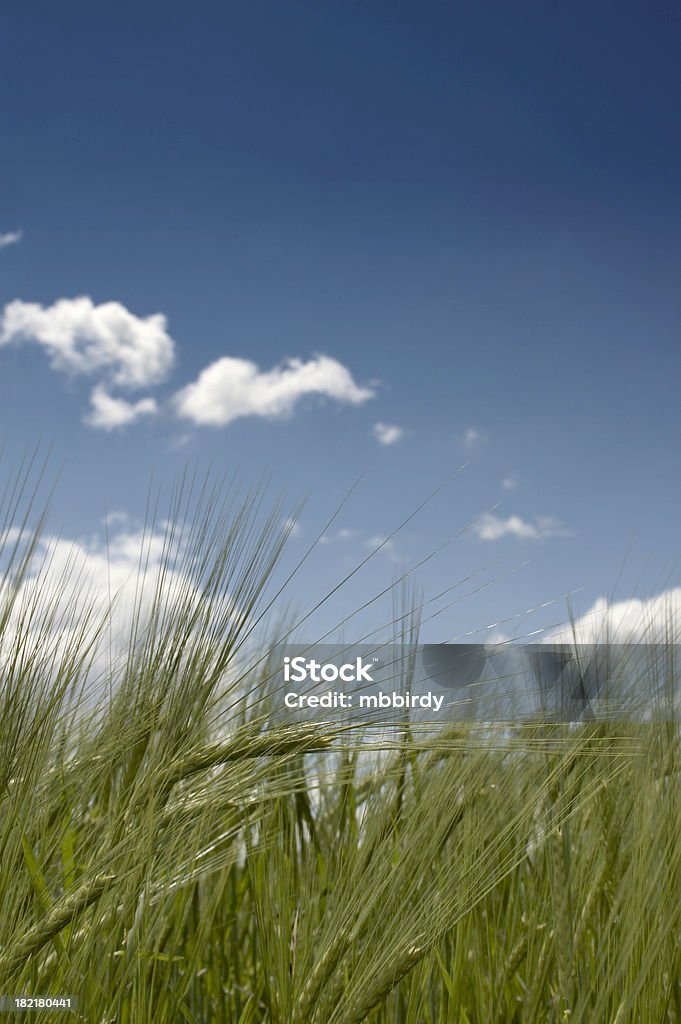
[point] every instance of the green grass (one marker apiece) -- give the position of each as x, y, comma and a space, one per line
169, 853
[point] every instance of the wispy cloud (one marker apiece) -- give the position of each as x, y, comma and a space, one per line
117, 520
180, 441
510, 483
292, 528
232, 388
10, 238
472, 438
356, 539
343, 535
388, 433
490, 527
377, 540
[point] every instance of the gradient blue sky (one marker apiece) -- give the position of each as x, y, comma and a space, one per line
476, 205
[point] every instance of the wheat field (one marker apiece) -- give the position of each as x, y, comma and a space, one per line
169, 852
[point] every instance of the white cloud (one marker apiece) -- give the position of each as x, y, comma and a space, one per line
11, 536
491, 527
549, 526
70, 577
180, 441
84, 339
359, 538
388, 433
109, 413
379, 541
510, 483
10, 238
656, 619
75, 585
472, 438
231, 388
345, 534
116, 519
124, 351
292, 528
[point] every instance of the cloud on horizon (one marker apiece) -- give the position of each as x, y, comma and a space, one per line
655, 619
74, 586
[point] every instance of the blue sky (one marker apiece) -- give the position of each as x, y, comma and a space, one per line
462, 220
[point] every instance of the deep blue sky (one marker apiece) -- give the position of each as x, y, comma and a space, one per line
478, 205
